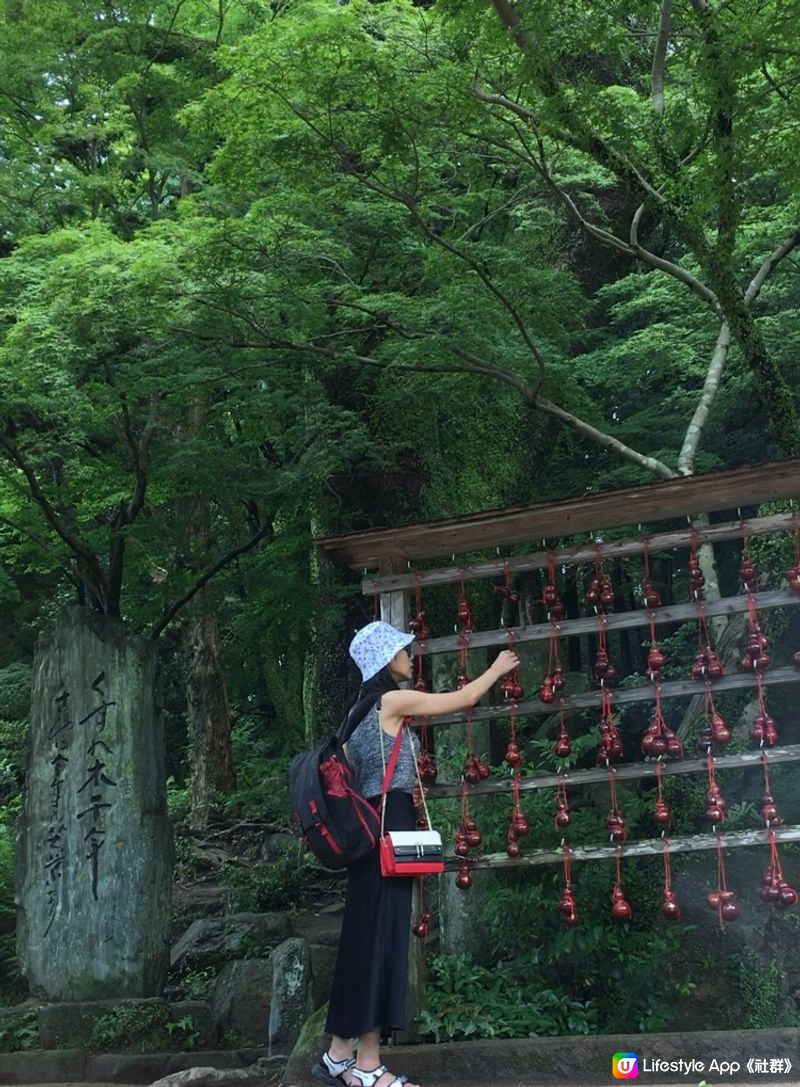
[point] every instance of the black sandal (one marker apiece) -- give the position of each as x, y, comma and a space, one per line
329, 1071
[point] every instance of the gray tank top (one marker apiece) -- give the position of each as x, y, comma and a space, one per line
364, 752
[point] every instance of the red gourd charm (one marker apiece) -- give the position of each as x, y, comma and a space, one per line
567, 905
464, 877
562, 817
620, 907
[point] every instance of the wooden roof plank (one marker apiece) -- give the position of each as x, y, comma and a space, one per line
684, 496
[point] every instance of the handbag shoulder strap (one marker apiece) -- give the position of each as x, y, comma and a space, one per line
389, 768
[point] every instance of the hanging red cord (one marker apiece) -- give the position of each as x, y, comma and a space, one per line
511, 687
793, 572
652, 599
417, 625
567, 904
550, 598
463, 611
754, 658
510, 595
661, 813
715, 806
600, 594
697, 580
553, 682
748, 571
769, 810
518, 827
715, 801
670, 907
610, 737
763, 729
512, 755
721, 900
518, 816
774, 888
422, 926
563, 747
620, 907
463, 677
605, 674
615, 820
428, 771
562, 816
706, 664
658, 739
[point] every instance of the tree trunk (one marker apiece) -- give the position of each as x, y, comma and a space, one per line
208, 716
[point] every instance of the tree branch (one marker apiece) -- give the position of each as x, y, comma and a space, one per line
473, 364
650, 464
70, 539
769, 265
710, 388
634, 250
660, 57
70, 575
169, 613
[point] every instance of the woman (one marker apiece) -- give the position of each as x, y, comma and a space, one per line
369, 983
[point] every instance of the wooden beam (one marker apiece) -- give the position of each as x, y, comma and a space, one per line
675, 688
629, 771
579, 554
707, 493
537, 632
691, 844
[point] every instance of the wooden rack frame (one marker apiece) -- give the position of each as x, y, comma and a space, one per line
690, 844
626, 620
627, 771
393, 552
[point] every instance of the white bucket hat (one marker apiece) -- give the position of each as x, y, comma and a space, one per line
375, 645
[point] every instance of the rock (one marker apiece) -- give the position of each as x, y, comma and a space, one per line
292, 994
94, 857
259, 1073
323, 961
147, 1067
43, 1066
234, 936
274, 844
241, 999
75, 1023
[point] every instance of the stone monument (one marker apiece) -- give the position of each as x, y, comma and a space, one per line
94, 853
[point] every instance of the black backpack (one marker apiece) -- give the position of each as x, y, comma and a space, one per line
337, 824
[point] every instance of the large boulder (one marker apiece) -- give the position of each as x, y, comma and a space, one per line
94, 852
138, 1025
292, 994
241, 1000
215, 940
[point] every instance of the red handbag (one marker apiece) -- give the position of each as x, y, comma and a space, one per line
407, 852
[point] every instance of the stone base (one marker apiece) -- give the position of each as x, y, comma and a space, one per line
77, 1066
573, 1061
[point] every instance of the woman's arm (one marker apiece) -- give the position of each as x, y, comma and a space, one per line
395, 705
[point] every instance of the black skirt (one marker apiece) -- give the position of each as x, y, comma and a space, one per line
369, 982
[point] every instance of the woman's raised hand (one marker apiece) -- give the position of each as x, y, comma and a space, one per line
506, 662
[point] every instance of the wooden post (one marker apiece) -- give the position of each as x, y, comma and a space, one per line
395, 610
